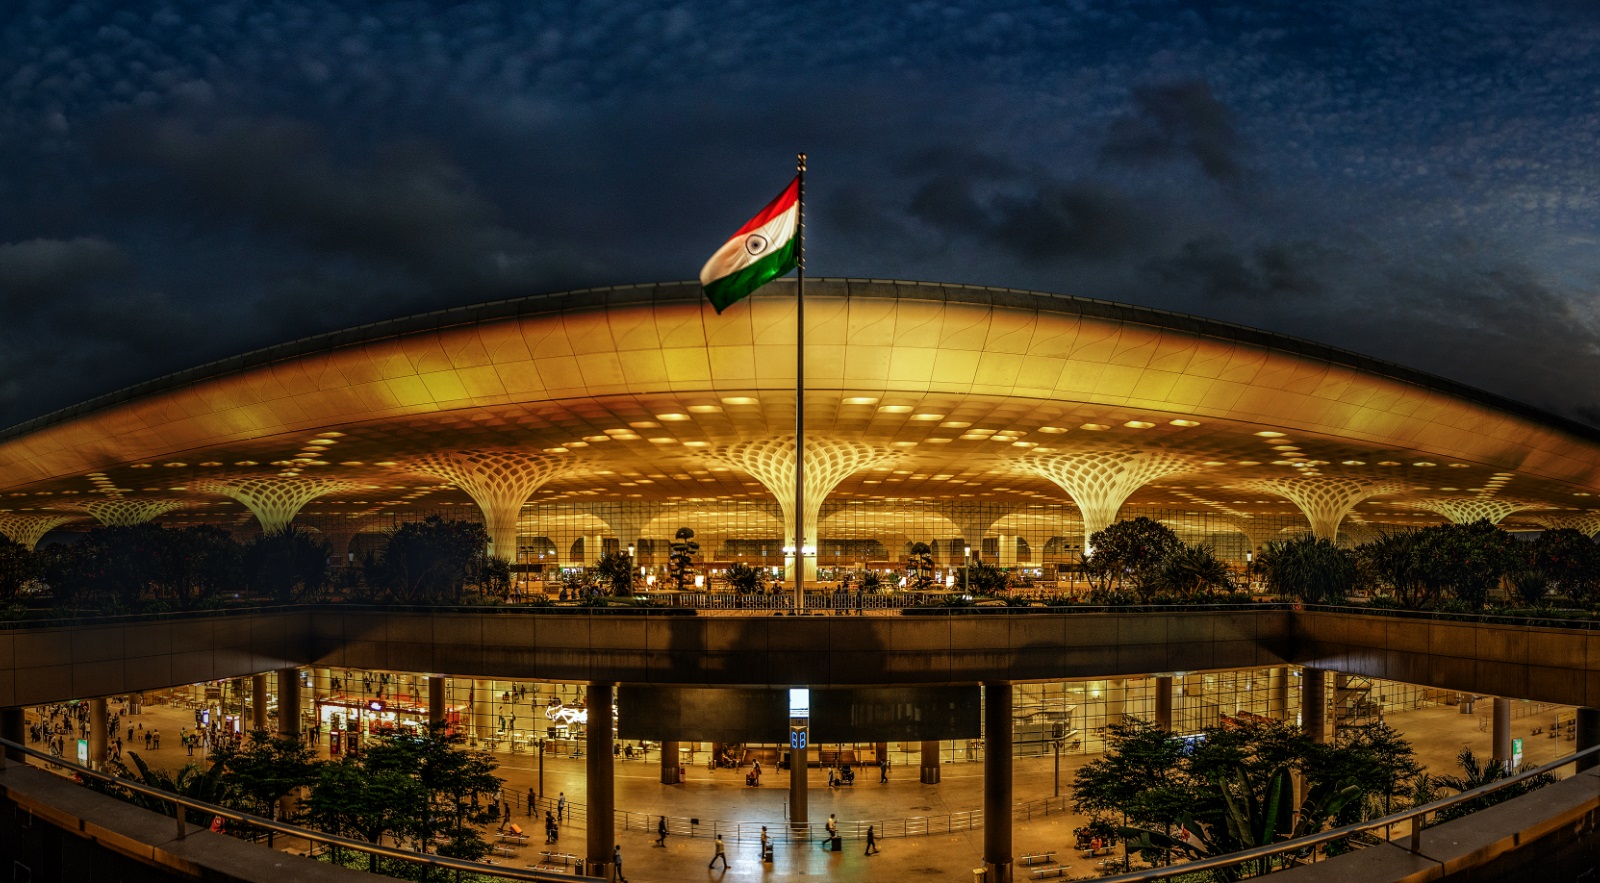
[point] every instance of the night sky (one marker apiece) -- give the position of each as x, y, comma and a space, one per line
181, 182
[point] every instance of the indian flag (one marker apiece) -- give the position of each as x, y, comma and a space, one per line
762, 250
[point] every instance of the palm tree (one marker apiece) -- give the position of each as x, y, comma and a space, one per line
1476, 775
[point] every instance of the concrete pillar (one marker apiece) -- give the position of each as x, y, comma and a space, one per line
1314, 703
601, 768
930, 763
436, 697
1116, 701
1502, 732
1008, 550
1278, 693
670, 764
98, 722
997, 734
258, 702
799, 796
14, 728
1164, 702
289, 702
483, 722
1588, 736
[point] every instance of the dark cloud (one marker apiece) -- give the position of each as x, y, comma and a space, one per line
1215, 268
1177, 121
33, 271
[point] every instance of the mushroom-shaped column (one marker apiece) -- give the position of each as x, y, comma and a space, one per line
1324, 500
28, 530
1586, 523
1257, 531
627, 521
1100, 481
499, 482
828, 462
274, 501
1467, 510
121, 512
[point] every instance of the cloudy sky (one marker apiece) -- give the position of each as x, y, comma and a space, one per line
182, 181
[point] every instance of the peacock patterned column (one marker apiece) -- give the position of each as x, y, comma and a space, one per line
1467, 510
1586, 523
828, 462
274, 501
123, 512
1099, 482
1324, 500
500, 482
28, 530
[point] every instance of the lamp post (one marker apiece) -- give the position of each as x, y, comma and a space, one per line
966, 567
541, 766
1058, 733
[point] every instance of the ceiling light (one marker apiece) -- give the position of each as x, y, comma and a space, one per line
1185, 423
740, 400
894, 409
1267, 433
1094, 427
705, 409
927, 416
857, 400
671, 418
1138, 424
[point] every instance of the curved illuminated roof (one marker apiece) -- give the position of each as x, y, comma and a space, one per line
967, 388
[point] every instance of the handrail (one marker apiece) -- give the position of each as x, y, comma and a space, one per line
1314, 840
181, 802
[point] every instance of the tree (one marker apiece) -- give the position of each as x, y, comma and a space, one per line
1392, 561
1475, 775
352, 800
746, 580
267, 769
288, 565
1374, 758
1139, 778
429, 562
1568, 560
984, 578
1309, 568
1191, 571
919, 567
615, 571
1128, 554
1469, 559
189, 781
680, 560
18, 568
193, 564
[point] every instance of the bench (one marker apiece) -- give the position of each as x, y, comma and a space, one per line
1038, 858
1052, 871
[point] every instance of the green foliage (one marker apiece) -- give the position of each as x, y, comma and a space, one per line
1189, 572
265, 770
1129, 554
18, 568
680, 560
919, 567
984, 578
1311, 569
1475, 775
290, 565
615, 572
429, 562
189, 781
1460, 562
1569, 562
872, 582
746, 580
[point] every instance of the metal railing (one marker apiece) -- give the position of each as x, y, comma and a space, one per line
180, 803
782, 831
1307, 846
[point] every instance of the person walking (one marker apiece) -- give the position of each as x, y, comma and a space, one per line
661, 832
532, 799
616, 861
561, 807
883, 771
833, 831
766, 845
721, 854
872, 841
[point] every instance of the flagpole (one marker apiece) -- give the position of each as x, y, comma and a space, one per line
800, 393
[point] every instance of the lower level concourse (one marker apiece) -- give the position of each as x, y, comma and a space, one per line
925, 799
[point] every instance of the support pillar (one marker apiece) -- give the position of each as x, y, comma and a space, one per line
1116, 701
258, 703
288, 702
930, 763
483, 722
997, 734
601, 769
799, 797
1314, 703
1278, 693
14, 728
1502, 733
1164, 702
98, 722
671, 765
436, 697
1588, 736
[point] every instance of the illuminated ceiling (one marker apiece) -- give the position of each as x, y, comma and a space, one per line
960, 390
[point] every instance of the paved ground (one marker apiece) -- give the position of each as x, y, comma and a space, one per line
1436, 733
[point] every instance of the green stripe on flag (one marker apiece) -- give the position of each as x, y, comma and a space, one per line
730, 289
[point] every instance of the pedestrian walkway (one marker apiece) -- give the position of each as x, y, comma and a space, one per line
1437, 734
